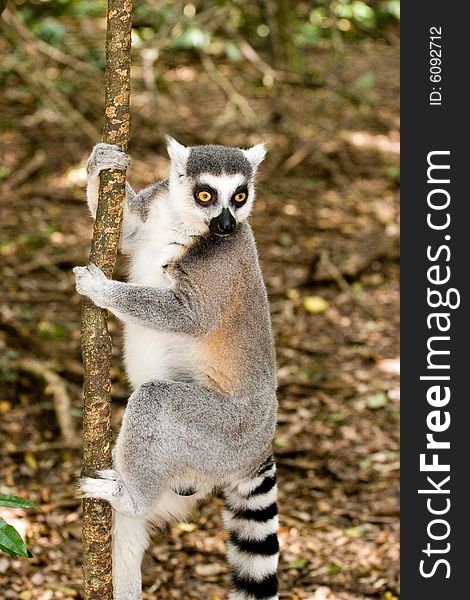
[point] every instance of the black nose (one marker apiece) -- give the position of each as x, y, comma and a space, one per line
224, 223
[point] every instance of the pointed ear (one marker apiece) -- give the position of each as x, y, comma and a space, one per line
255, 155
177, 152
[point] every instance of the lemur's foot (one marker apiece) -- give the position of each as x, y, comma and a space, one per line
106, 156
107, 485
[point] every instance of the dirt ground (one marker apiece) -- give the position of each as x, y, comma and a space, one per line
326, 223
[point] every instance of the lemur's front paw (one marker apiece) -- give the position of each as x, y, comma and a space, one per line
92, 282
106, 156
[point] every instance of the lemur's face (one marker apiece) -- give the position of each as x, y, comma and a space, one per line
212, 187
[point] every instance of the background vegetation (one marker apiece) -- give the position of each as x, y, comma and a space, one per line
318, 81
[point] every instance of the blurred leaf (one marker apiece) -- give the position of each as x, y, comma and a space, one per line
285, 238
337, 417
315, 304
97, 57
232, 51
366, 81
67, 86
4, 172
191, 38
50, 229
293, 294
51, 331
311, 371
357, 288
35, 242
8, 366
393, 172
393, 8
332, 569
363, 13
308, 184
16, 502
307, 34
50, 30
298, 563
354, 532
31, 461
376, 401
11, 542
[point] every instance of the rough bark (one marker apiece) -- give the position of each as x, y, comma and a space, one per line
96, 342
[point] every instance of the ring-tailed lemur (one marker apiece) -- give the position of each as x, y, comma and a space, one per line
199, 355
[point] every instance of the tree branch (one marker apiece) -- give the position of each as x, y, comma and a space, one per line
96, 342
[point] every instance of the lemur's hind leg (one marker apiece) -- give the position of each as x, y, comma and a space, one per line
251, 519
140, 487
130, 540
130, 533
168, 428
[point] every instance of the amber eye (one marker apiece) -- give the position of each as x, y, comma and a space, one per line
204, 196
240, 197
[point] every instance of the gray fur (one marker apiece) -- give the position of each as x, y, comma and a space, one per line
141, 203
217, 160
210, 421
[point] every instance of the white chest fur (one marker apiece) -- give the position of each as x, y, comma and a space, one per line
149, 353
160, 242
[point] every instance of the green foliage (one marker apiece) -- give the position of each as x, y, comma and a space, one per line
48, 9
353, 18
193, 25
50, 30
8, 372
8, 501
298, 563
192, 38
366, 81
232, 51
376, 401
10, 540
51, 331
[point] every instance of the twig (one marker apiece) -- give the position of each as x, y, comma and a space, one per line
227, 87
67, 111
302, 464
22, 174
252, 56
41, 262
299, 156
65, 502
57, 387
35, 78
341, 282
45, 48
44, 447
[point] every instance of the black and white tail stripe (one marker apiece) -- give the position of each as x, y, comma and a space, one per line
251, 518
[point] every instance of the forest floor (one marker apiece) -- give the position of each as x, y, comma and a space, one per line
326, 223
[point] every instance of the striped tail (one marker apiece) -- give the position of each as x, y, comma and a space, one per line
251, 519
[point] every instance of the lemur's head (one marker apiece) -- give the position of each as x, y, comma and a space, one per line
213, 186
